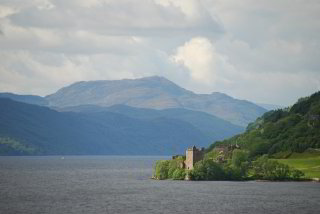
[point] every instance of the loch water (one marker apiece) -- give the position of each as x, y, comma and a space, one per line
122, 184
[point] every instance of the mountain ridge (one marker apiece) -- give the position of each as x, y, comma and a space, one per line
48, 132
213, 127
30, 99
157, 93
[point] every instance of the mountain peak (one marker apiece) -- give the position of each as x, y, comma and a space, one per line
147, 78
149, 81
154, 77
150, 92
154, 92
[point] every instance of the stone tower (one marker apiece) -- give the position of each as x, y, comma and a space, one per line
193, 155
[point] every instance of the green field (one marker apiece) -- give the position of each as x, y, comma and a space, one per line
310, 166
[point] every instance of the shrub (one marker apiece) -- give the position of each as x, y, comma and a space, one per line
232, 173
162, 168
207, 170
173, 165
297, 174
179, 174
239, 156
240, 163
165, 169
267, 169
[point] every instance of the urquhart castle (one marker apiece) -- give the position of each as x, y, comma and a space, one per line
181, 166
193, 155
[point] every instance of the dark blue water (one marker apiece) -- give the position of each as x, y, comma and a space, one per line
105, 184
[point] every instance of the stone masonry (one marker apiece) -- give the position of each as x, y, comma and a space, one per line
193, 155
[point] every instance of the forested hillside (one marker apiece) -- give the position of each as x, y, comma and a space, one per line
211, 126
27, 129
283, 131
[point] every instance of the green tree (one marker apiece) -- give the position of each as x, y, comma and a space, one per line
162, 168
179, 174
263, 168
240, 163
297, 174
239, 156
207, 170
174, 164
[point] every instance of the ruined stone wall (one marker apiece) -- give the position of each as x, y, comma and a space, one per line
189, 159
197, 155
193, 155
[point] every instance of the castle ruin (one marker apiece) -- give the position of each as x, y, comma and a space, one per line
193, 155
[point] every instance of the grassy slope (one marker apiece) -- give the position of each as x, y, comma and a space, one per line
291, 136
310, 166
308, 162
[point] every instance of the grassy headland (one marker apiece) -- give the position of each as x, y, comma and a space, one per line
280, 145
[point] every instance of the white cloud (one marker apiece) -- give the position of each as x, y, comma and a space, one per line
33, 73
192, 9
119, 17
45, 5
232, 66
202, 61
265, 51
6, 11
43, 73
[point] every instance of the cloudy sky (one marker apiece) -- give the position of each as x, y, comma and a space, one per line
265, 51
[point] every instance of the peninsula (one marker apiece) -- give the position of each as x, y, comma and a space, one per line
282, 144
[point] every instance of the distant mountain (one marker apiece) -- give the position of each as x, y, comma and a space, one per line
156, 93
151, 92
283, 131
214, 128
270, 106
31, 99
32, 129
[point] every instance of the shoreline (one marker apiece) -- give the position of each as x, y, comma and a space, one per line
314, 180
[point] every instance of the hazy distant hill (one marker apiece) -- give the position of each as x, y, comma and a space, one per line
213, 127
31, 99
26, 127
270, 106
283, 131
157, 93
